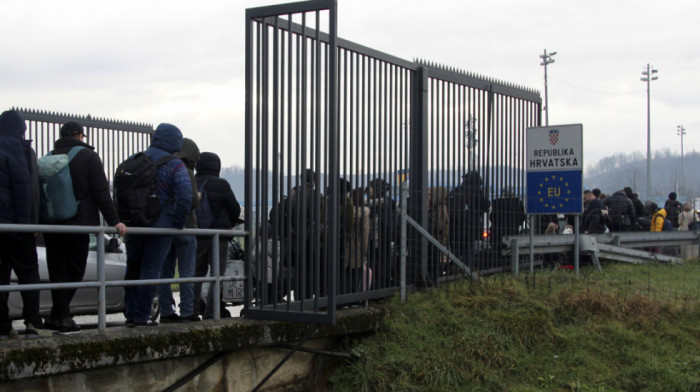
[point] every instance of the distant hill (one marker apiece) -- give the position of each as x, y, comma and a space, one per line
615, 172
608, 174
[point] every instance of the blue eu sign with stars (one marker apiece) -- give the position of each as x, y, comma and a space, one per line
555, 170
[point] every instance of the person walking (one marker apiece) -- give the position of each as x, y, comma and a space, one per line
19, 204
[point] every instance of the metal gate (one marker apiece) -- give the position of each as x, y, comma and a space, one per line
332, 130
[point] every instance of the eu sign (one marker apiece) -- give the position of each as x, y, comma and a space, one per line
555, 170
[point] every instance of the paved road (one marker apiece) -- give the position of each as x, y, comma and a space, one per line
116, 319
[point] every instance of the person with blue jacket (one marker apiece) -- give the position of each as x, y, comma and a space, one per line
19, 204
145, 253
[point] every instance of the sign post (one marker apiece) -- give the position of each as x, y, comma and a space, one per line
555, 173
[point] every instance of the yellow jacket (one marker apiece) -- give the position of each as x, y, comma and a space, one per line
658, 224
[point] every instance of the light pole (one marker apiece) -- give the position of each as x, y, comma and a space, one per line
681, 131
546, 59
648, 76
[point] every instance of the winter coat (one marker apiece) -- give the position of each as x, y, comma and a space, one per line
189, 153
507, 214
673, 209
438, 216
593, 219
621, 210
15, 175
174, 186
224, 206
685, 218
657, 221
90, 184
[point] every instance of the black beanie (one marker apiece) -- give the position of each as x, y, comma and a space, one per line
72, 128
672, 195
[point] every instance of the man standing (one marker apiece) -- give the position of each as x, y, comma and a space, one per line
183, 252
673, 208
225, 213
66, 253
145, 253
19, 203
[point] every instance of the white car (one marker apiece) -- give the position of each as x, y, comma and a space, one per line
85, 300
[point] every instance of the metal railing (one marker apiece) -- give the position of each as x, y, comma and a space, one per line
101, 283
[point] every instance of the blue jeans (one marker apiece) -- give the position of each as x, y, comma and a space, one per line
184, 249
144, 260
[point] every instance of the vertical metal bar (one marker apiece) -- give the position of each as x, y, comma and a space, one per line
577, 244
216, 273
419, 158
333, 141
514, 256
101, 296
403, 238
532, 245
247, 198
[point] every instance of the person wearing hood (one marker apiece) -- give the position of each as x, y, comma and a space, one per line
145, 254
66, 253
183, 252
622, 213
225, 212
19, 203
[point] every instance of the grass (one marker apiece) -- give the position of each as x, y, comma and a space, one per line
634, 328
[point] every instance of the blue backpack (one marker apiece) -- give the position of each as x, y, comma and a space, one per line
668, 226
58, 202
205, 217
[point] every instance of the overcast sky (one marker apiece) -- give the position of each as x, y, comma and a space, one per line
182, 61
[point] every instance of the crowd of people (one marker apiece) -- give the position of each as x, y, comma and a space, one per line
189, 193
185, 186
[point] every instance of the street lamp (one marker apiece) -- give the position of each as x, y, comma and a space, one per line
681, 131
648, 76
546, 59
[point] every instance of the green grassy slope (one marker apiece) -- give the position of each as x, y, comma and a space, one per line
634, 328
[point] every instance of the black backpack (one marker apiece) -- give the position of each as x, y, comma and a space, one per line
205, 216
673, 209
135, 190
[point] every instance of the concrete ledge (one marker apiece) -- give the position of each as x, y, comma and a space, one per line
88, 350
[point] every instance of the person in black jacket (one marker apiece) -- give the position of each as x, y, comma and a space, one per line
226, 214
621, 211
19, 203
66, 253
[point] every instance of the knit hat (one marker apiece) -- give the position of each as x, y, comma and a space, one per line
72, 128
672, 195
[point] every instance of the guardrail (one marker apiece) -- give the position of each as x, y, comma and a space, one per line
101, 284
620, 246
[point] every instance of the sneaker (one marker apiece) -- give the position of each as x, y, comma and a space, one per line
190, 319
52, 324
129, 323
171, 318
11, 334
35, 330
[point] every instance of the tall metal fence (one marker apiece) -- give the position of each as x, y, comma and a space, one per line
113, 140
332, 129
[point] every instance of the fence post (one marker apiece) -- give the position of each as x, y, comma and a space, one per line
419, 169
402, 244
101, 291
532, 245
215, 256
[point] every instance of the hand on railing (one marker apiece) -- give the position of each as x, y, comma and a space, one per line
121, 228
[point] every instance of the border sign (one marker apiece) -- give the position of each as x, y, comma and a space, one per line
555, 169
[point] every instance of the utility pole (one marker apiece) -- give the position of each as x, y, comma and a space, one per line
546, 59
648, 76
681, 131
